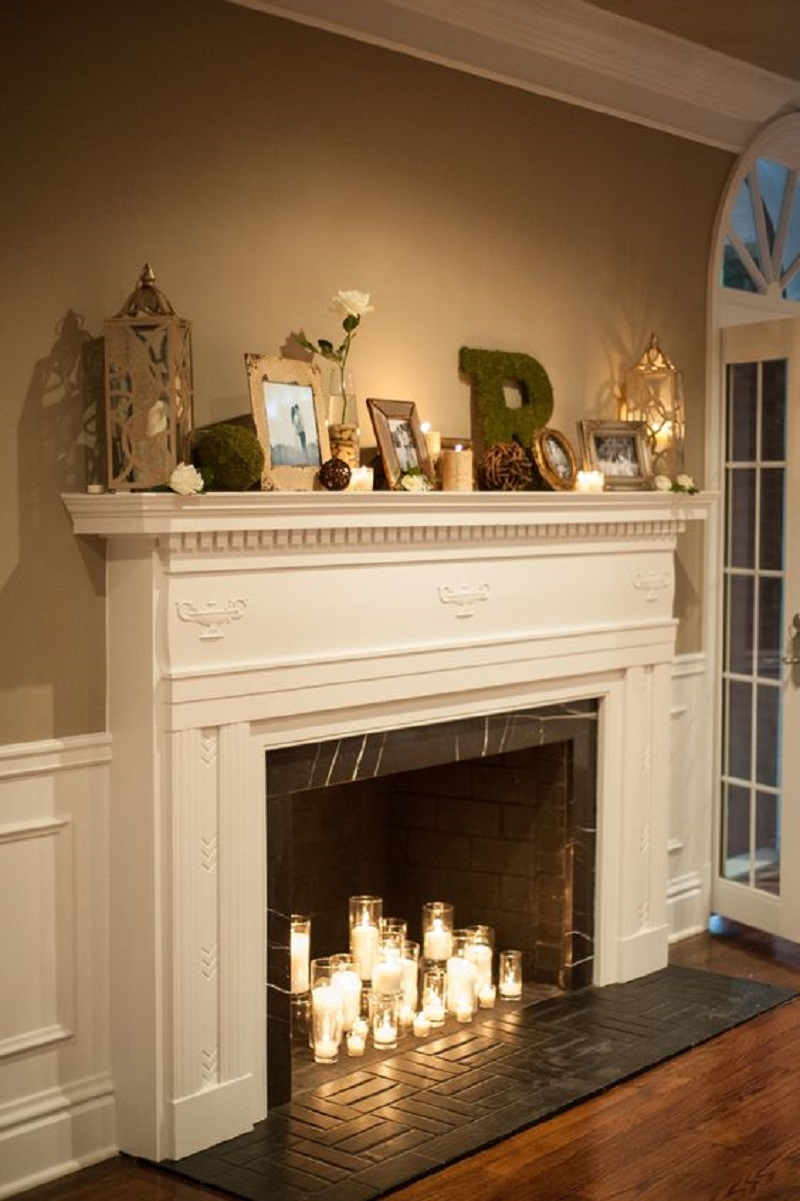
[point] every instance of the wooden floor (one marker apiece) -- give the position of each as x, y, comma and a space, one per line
721, 1122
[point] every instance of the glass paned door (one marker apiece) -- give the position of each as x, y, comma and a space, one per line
759, 812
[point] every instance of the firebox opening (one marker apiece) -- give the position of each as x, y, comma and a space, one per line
496, 815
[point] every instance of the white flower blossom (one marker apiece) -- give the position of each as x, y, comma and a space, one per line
686, 483
663, 483
416, 483
351, 303
186, 480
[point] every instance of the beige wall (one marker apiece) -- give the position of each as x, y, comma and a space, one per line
259, 166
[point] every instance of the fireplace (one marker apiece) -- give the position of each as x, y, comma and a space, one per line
245, 626
497, 814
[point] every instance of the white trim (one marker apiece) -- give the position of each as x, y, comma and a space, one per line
54, 754
571, 51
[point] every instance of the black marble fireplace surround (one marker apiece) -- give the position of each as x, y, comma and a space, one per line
495, 814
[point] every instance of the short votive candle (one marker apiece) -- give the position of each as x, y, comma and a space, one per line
589, 481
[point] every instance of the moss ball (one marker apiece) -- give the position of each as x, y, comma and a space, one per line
232, 454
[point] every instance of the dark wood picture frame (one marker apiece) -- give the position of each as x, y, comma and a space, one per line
400, 439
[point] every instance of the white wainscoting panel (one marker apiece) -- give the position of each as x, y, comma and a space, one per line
691, 799
56, 1095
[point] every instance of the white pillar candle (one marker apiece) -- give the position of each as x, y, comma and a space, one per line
299, 952
462, 977
326, 1023
433, 441
410, 982
456, 470
364, 943
387, 976
438, 942
348, 984
481, 955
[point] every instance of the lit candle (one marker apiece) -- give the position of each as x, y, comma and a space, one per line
481, 955
387, 976
410, 985
422, 1026
326, 1019
438, 941
433, 441
487, 996
433, 1010
384, 1031
590, 481
462, 977
361, 479
510, 974
456, 470
364, 942
348, 985
355, 1043
299, 950
406, 1017
464, 1012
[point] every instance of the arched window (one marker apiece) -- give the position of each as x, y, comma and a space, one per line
762, 242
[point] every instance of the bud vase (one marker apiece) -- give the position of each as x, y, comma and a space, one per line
343, 431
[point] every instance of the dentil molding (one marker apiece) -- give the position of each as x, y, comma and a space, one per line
571, 51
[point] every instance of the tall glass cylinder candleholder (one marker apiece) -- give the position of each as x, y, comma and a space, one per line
394, 927
437, 931
462, 979
326, 1012
365, 919
410, 965
385, 1021
480, 950
387, 970
299, 952
509, 975
347, 981
434, 989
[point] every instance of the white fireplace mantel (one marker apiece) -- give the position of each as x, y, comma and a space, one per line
242, 622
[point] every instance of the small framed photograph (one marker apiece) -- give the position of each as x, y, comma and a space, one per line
401, 441
620, 450
555, 459
288, 405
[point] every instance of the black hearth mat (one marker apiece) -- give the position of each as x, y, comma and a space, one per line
373, 1130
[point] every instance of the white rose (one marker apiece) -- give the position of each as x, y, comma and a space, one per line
663, 483
186, 480
351, 304
686, 482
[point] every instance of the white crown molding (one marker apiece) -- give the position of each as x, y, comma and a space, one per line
571, 51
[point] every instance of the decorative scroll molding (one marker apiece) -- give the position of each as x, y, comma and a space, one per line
464, 597
212, 617
652, 583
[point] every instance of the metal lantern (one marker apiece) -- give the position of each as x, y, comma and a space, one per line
148, 373
654, 395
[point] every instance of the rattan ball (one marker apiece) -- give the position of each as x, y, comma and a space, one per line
334, 474
507, 467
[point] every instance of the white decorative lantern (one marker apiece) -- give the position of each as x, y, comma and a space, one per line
654, 395
148, 374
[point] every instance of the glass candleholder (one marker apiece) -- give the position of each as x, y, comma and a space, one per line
385, 1021
394, 928
480, 951
387, 970
326, 1012
434, 990
346, 979
462, 979
509, 975
410, 965
365, 920
299, 952
437, 931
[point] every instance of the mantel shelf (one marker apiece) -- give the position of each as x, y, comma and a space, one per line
126, 514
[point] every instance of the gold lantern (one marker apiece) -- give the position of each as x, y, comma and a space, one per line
654, 395
148, 373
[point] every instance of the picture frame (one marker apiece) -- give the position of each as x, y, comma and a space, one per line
400, 439
555, 459
620, 450
288, 404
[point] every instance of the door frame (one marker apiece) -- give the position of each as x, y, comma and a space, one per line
779, 140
